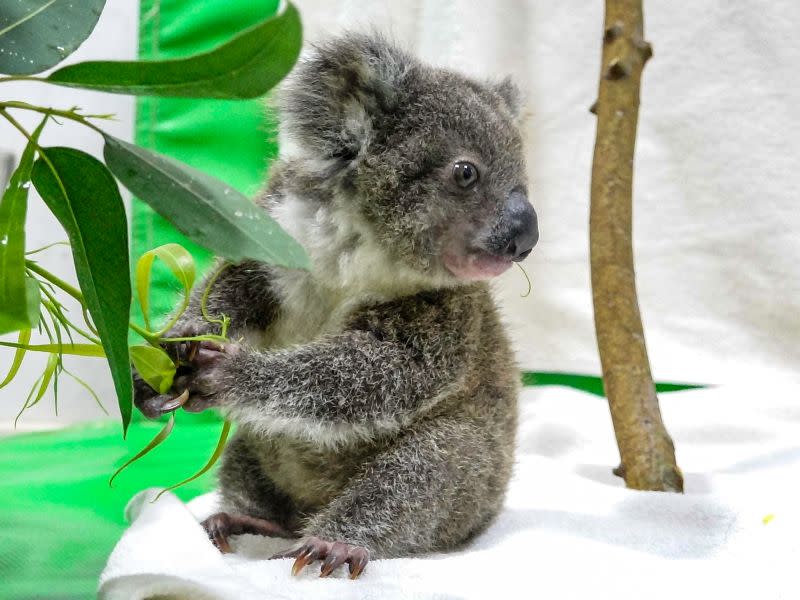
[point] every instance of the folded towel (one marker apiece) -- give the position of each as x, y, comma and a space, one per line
569, 529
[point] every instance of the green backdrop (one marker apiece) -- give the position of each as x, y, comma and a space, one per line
59, 519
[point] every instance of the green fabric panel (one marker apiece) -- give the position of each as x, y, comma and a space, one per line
591, 383
230, 139
60, 520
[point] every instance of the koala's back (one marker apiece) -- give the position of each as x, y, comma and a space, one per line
466, 438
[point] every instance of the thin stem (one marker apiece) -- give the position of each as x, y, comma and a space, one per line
224, 320
53, 112
47, 247
184, 305
151, 338
56, 281
21, 78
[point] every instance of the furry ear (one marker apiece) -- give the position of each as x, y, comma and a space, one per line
510, 95
329, 103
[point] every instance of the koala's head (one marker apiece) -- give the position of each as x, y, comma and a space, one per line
428, 160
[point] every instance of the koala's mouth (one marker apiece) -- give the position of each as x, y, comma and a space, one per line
476, 264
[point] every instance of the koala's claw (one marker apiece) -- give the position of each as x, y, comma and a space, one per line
220, 526
155, 406
332, 554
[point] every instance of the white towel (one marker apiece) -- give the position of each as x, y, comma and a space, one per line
569, 528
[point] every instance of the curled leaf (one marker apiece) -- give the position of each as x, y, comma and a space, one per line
223, 438
179, 261
154, 366
22, 341
160, 437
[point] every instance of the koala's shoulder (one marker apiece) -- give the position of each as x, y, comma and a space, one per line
440, 313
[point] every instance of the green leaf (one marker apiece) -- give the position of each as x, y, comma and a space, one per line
37, 34
160, 437
206, 210
23, 339
223, 438
47, 375
179, 261
69, 349
154, 365
19, 295
84, 197
247, 66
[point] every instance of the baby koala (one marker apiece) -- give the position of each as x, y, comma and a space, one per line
376, 394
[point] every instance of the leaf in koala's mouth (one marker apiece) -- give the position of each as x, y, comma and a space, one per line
476, 265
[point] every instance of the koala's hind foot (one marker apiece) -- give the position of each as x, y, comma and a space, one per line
220, 526
332, 554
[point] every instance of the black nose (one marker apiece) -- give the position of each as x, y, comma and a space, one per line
522, 226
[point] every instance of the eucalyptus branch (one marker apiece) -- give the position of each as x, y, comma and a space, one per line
71, 114
55, 280
22, 78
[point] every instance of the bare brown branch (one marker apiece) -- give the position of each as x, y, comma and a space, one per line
646, 450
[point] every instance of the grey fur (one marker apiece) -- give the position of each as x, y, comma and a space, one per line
376, 396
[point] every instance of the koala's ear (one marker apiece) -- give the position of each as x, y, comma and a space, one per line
510, 95
329, 105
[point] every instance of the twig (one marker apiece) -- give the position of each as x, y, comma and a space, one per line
646, 450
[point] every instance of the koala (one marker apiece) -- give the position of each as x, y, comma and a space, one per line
375, 395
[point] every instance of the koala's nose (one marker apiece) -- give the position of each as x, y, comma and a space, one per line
523, 226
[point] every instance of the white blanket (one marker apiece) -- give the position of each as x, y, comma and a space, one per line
569, 528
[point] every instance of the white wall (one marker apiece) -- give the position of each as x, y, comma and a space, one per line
716, 215
114, 38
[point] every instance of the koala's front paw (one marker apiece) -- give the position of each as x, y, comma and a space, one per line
206, 377
198, 382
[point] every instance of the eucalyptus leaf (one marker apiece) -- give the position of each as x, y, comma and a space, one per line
37, 34
154, 366
69, 349
19, 295
247, 66
23, 339
47, 376
223, 438
84, 197
206, 210
160, 437
179, 261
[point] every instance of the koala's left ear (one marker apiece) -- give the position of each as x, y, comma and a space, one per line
510, 95
331, 101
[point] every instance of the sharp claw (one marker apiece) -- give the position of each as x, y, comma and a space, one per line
357, 565
301, 562
328, 566
193, 347
176, 402
221, 542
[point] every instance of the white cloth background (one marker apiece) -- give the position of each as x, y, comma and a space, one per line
716, 217
569, 528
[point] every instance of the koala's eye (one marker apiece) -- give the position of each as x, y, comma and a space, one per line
465, 174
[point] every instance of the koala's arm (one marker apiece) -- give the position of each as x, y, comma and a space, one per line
392, 363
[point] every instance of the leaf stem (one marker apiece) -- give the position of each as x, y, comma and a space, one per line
56, 281
21, 78
151, 338
71, 114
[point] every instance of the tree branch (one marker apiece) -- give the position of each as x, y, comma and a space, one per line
646, 450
